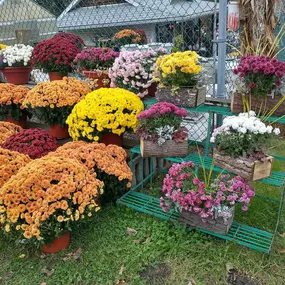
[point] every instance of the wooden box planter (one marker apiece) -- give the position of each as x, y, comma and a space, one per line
169, 149
246, 168
257, 103
213, 224
184, 97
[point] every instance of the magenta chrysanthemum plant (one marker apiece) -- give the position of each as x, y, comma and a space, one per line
261, 74
162, 122
183, 190
133, 70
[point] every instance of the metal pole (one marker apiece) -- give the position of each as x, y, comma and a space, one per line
221, 92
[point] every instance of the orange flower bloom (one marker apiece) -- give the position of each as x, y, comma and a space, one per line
11, 93
7, 129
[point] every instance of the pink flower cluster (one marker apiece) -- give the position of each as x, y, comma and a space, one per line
250, 66
33, 142
133, 70
183, 189
95, 58
162, 108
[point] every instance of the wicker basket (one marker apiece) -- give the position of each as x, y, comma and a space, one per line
169, 149
248, 169
212, 224
257, 104
184, 96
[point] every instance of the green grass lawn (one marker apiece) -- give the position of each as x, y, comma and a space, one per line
154, 252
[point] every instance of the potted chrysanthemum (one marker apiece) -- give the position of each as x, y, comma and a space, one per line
204, 202
51, 196
105, 114
52, 102
133, 70
55, 56
11, 99
94, 64
7, 129
17, 63
108, 162
177, 74
240, 146
161, 132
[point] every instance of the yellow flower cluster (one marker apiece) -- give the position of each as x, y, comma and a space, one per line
103, 110
58, 93
48, 190
11, 93
185, 62
8, 129
110, 159
2, 46
10, 163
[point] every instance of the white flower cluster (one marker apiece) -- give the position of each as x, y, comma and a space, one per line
244, 123
17, 54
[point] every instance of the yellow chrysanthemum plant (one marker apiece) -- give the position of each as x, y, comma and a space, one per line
108, 162
106, 110
47, 198
179, 69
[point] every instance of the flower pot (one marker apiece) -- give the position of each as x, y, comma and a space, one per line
110, 138
184, 96
58, 244
97, 79
168, 149
214, 224
56, 76
58, 132
244, 167
17, 75
257, 103
22, 122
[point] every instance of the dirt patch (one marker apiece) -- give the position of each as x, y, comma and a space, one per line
156, 275
236, 278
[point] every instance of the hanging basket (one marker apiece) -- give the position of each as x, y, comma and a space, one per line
213, 224
184, 96
168, 149
257, 104
244, 167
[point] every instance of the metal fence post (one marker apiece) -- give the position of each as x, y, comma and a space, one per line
222, 48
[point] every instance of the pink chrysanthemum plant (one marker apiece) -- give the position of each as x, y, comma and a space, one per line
210, 199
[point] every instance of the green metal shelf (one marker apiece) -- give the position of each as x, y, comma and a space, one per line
239, 233
276, 178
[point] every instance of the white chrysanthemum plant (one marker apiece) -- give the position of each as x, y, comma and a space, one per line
241, 141
18, 55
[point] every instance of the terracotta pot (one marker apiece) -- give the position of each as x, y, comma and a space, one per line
17, 75
110, 138
22, 122
58, 244
58, 132
56, 76
97, 79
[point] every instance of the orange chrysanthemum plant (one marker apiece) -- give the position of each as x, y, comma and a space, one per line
52, 102
10, 163
47, 198
11, 99
108, 162
8, 129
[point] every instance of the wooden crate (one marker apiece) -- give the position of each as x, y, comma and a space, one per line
169, 149
184, 97
246, 168
257, 103
212, 224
